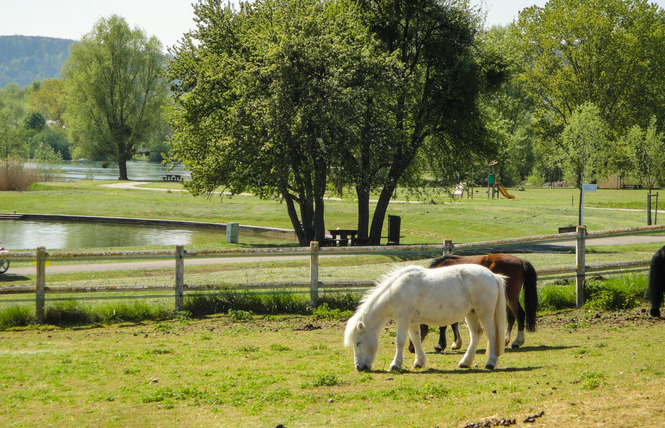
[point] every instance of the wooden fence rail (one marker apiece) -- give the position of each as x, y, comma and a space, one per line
314, 251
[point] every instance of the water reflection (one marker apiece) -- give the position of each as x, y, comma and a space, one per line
136, 170
26, 234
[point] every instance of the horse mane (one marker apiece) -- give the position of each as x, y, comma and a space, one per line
379, 291
443, 260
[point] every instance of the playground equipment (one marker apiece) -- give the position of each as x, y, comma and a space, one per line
494, 187
504, 192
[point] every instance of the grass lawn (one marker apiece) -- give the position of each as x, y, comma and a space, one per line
535, 211
578, 369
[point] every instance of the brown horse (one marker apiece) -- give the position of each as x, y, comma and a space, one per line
520, 273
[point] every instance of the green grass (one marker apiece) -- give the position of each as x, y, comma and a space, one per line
579, 368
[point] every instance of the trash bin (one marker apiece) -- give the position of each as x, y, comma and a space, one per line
394, 224
232, 233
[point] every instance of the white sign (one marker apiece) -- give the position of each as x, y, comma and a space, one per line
589, 187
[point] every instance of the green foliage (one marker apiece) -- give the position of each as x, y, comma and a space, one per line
646, 150
246, 303
324, 312
578, 51
73, 312
16, 316
619, 293
112, 117
34, 121
298, 98
556, 296
584, 145
25, 59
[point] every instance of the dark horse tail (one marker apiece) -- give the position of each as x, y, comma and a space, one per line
657, 281
530, 295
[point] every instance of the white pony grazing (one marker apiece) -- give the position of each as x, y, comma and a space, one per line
415, 295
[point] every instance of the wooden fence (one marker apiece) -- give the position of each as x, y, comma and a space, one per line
314, 252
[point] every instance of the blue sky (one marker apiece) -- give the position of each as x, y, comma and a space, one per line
166, 19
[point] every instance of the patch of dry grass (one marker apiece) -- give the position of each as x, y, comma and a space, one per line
15, 177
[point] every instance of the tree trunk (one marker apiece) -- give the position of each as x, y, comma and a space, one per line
363, 212
122, 166
380, 214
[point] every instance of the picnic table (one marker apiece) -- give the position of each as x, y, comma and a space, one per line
172, 177
343, 237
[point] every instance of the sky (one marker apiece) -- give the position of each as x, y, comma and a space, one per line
166, 19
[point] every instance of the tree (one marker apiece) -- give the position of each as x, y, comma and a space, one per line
428, 104
584, 150
263, 101
297, 98
115, 90
646, 149
607, 52
48, 100
34, 121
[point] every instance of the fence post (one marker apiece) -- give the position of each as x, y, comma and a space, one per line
40, 289
179, 276
447, 247
314, 274
580, 263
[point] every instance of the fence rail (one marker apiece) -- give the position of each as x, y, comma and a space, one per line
40, 256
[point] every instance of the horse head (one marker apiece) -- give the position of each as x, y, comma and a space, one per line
365, 343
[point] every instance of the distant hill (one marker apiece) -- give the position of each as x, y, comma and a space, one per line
24, 59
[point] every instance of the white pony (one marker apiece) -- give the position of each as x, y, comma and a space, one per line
415, 295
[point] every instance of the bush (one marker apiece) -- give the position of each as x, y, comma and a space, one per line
16, 316
557, 296
618, 293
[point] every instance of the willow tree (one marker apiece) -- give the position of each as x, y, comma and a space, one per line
115, 90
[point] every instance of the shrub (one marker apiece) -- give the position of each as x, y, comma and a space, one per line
622, 292
16, 316
556, 296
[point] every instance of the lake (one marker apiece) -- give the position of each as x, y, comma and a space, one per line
28, 234
136, 170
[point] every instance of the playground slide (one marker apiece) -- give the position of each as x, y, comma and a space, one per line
505, 193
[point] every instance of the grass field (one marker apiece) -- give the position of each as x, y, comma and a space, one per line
579, 369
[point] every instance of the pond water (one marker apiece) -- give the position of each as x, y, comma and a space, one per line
28, 234
136, 170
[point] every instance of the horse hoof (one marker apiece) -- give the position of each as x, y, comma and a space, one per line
438, 349
489, 366
463, 366
515, 346
655, 312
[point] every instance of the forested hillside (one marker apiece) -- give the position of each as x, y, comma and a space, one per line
24, 59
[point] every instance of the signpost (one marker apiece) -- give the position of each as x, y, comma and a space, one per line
585, 188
